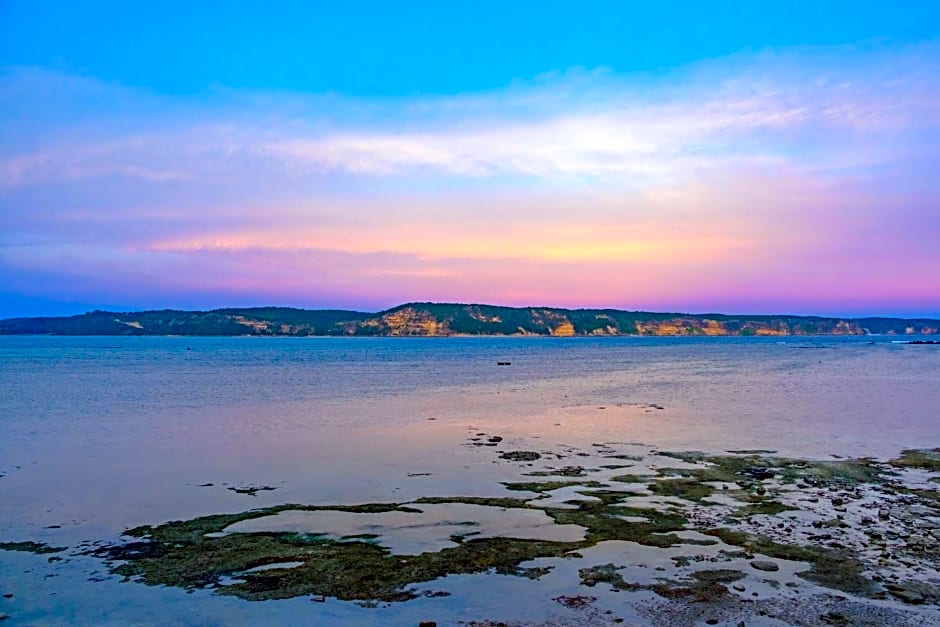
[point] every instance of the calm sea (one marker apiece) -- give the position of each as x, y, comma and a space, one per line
103, 433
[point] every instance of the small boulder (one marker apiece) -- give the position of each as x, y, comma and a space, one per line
765, 565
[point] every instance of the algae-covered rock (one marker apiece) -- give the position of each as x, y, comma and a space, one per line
521, 456
38, 548
926, 459
688, 489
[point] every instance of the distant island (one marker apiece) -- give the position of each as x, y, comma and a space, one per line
449, 319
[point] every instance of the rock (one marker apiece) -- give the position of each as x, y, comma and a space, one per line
575, 601
906, 594
427, 623
759, 472
520, 456
765, 565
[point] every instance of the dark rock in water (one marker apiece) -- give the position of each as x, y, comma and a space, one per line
575, 601
758, 472
765, 565
38, 548
427, 623
721, 575
752, 451
496, 438
521, 456
251, 490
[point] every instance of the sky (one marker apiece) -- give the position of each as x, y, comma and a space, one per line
738, 157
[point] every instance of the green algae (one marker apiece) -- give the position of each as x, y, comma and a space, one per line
849, 472
832, 568
567, 471
535, 572
747, 470
490, 501
187, 554
718, 575
194, 554
197, 527
704, 585
605, 573
930, 498
925, 459
38, 548
696, 592
767, 507
686, 489
631, 478
548, 486
181, 554
604, 521
692, 457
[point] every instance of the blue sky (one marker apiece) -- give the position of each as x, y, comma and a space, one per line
394, 48
748, 156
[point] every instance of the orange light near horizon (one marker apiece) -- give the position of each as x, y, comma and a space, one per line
553, 244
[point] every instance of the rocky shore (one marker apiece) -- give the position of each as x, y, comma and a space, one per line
632, 534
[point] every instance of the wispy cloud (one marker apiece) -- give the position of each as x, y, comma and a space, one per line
783, 169
766, 111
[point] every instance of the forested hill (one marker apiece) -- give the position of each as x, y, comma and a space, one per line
441, 319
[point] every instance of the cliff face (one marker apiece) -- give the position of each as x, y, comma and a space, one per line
421, 321
436, 319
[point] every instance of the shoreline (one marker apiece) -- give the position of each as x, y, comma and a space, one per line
733, 534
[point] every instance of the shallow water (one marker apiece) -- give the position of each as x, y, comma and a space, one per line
102, 434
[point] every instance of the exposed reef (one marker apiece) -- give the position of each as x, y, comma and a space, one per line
737, 500
39, 548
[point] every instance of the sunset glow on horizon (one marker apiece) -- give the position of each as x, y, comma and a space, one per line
346, 169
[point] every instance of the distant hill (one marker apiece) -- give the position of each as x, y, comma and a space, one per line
444, 319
